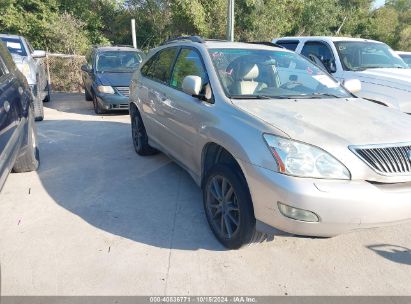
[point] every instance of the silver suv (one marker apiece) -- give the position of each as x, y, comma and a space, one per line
275, 143
30, 62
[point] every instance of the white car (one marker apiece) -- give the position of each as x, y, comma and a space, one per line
385, 78
30, 62
406, 56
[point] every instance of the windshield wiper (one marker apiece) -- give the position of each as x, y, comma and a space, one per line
325, 95
250, 97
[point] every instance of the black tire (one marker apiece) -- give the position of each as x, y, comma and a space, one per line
87, 95
29, 160
97, 108
139, 135
38, 109
48, 96
234, 207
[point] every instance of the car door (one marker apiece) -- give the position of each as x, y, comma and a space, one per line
88, 75
152, 88
321, 54
40, 63
10, 121
182, 114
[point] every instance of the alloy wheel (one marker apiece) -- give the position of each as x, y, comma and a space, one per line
222, 207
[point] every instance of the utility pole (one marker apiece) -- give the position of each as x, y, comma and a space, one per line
133, 32
230, 20
342, 24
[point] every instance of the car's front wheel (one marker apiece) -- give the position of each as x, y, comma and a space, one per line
139, 135
97, 108
87, 95
48, 96
38, 109
228, 207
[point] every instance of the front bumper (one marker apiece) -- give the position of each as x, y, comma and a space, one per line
341, 206
113, 102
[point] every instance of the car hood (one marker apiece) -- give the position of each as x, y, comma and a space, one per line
115, 79
351, 121
391, 77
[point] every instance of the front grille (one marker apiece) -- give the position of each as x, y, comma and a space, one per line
386, 159
120, 106
125, 91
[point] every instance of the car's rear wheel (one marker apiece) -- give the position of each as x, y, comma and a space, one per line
139, 135
30, 159
228, 207
97, 108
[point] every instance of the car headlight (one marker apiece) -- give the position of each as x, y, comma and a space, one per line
105, 89
304, 160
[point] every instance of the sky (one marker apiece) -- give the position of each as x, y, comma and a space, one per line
379, 3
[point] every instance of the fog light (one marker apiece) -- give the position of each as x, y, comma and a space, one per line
297, 214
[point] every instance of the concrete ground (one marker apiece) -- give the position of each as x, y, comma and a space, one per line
97, 219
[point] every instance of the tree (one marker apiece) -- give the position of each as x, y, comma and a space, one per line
29, 18
66, 34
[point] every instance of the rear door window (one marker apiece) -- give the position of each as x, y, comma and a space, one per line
159, 66
288, 44
189, 63
318, 49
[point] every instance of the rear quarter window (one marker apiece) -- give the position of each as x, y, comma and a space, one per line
288, 44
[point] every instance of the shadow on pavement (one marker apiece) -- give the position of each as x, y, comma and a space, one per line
394, 253
90, 168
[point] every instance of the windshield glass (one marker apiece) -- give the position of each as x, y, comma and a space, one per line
362, 55
247, 73
406, 58
118, 61
14, 45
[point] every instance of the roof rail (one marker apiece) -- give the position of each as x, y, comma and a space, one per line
196, 39
266, 43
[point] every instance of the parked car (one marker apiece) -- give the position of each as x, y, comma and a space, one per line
107, 77
18, 139
30, 62
384, 75
406, 56
274, 142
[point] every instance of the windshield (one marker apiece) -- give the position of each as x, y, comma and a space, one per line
15, 46
362, 55
118, 61
247, 73
406, 58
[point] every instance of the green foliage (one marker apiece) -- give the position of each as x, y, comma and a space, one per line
66, 34
74, 25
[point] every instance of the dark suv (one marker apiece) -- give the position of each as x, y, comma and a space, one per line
18, 137
107, 77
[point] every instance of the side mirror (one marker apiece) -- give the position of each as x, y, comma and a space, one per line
85, 68
192, 85
352, 85
38, 54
